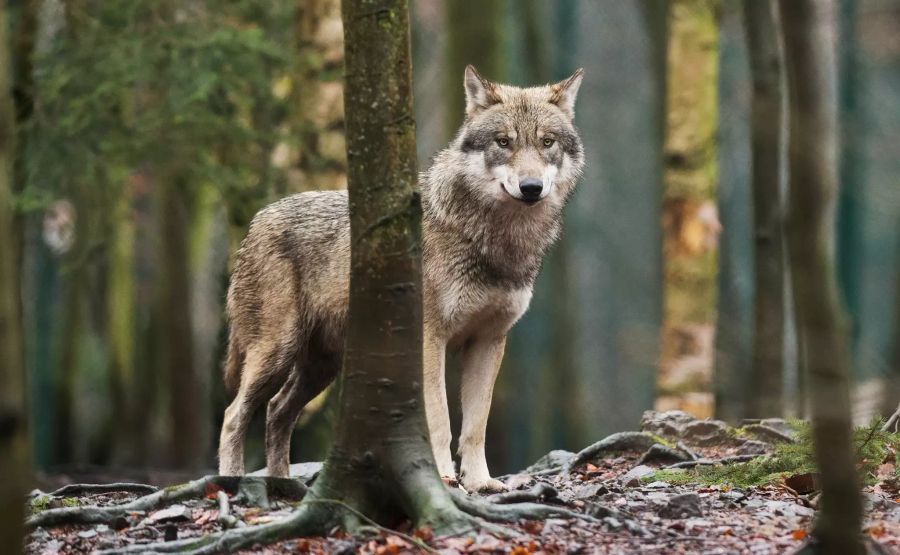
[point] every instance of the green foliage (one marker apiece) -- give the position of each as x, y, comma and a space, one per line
872, 447
158, 86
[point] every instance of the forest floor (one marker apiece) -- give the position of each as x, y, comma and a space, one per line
680, 485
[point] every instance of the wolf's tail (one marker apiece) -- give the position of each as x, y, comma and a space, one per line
234, 360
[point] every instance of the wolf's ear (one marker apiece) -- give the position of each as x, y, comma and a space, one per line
480, 93
563, 93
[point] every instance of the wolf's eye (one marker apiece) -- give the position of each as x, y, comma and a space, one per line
548, 142
503, 142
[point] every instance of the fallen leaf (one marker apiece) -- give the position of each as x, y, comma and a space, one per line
876, 530
211, 490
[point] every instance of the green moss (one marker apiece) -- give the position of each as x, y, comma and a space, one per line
872, 447
41, 503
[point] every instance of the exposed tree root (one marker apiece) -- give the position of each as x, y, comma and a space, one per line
307, 520
317, 517
250, 486
513, 513
539, 492
73, 490
711, 462
623, 441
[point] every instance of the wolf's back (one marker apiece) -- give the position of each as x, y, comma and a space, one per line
292, 268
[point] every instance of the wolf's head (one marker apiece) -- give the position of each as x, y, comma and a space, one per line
519, 145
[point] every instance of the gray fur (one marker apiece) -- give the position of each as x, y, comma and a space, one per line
287, 302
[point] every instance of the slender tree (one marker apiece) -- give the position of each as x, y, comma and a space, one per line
690, 220
810, 51
769, 143
14, 445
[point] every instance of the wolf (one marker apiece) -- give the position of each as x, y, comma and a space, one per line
491, 202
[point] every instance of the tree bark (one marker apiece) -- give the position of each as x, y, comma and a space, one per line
690, 219
14, 445
381, 464
317, 98
769, 134
810, 51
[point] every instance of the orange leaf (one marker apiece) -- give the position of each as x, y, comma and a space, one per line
211, 490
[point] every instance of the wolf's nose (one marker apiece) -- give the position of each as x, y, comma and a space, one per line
531, 188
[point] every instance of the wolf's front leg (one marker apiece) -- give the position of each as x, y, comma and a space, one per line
480, 364
436, 411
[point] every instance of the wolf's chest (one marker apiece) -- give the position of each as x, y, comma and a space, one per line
463, 308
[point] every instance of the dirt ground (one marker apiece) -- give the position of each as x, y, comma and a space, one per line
628, 506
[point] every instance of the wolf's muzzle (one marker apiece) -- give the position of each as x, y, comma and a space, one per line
531, 188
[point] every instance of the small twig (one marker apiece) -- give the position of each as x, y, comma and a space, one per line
892, 422
73, 490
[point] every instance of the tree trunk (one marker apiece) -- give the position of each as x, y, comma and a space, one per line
317, 98
810, 51
769, 136
381, 464
385, 322
189, 447
690, 220
15, 461
474, 36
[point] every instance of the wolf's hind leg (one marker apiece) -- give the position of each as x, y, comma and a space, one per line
480, 364
308, 379
264, 369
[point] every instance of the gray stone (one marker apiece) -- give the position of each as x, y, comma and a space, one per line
305, 471
706, 432
175, 513
686, 505
554, 459
753, 447
669, 423
635, 474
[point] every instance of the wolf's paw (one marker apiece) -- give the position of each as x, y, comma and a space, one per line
486, 485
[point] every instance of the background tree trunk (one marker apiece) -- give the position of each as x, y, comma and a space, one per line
15, 466
189, 405
473, 37
317, 100
690, 219
810, 41
769, 136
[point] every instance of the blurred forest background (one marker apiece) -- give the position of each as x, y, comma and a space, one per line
152, 130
